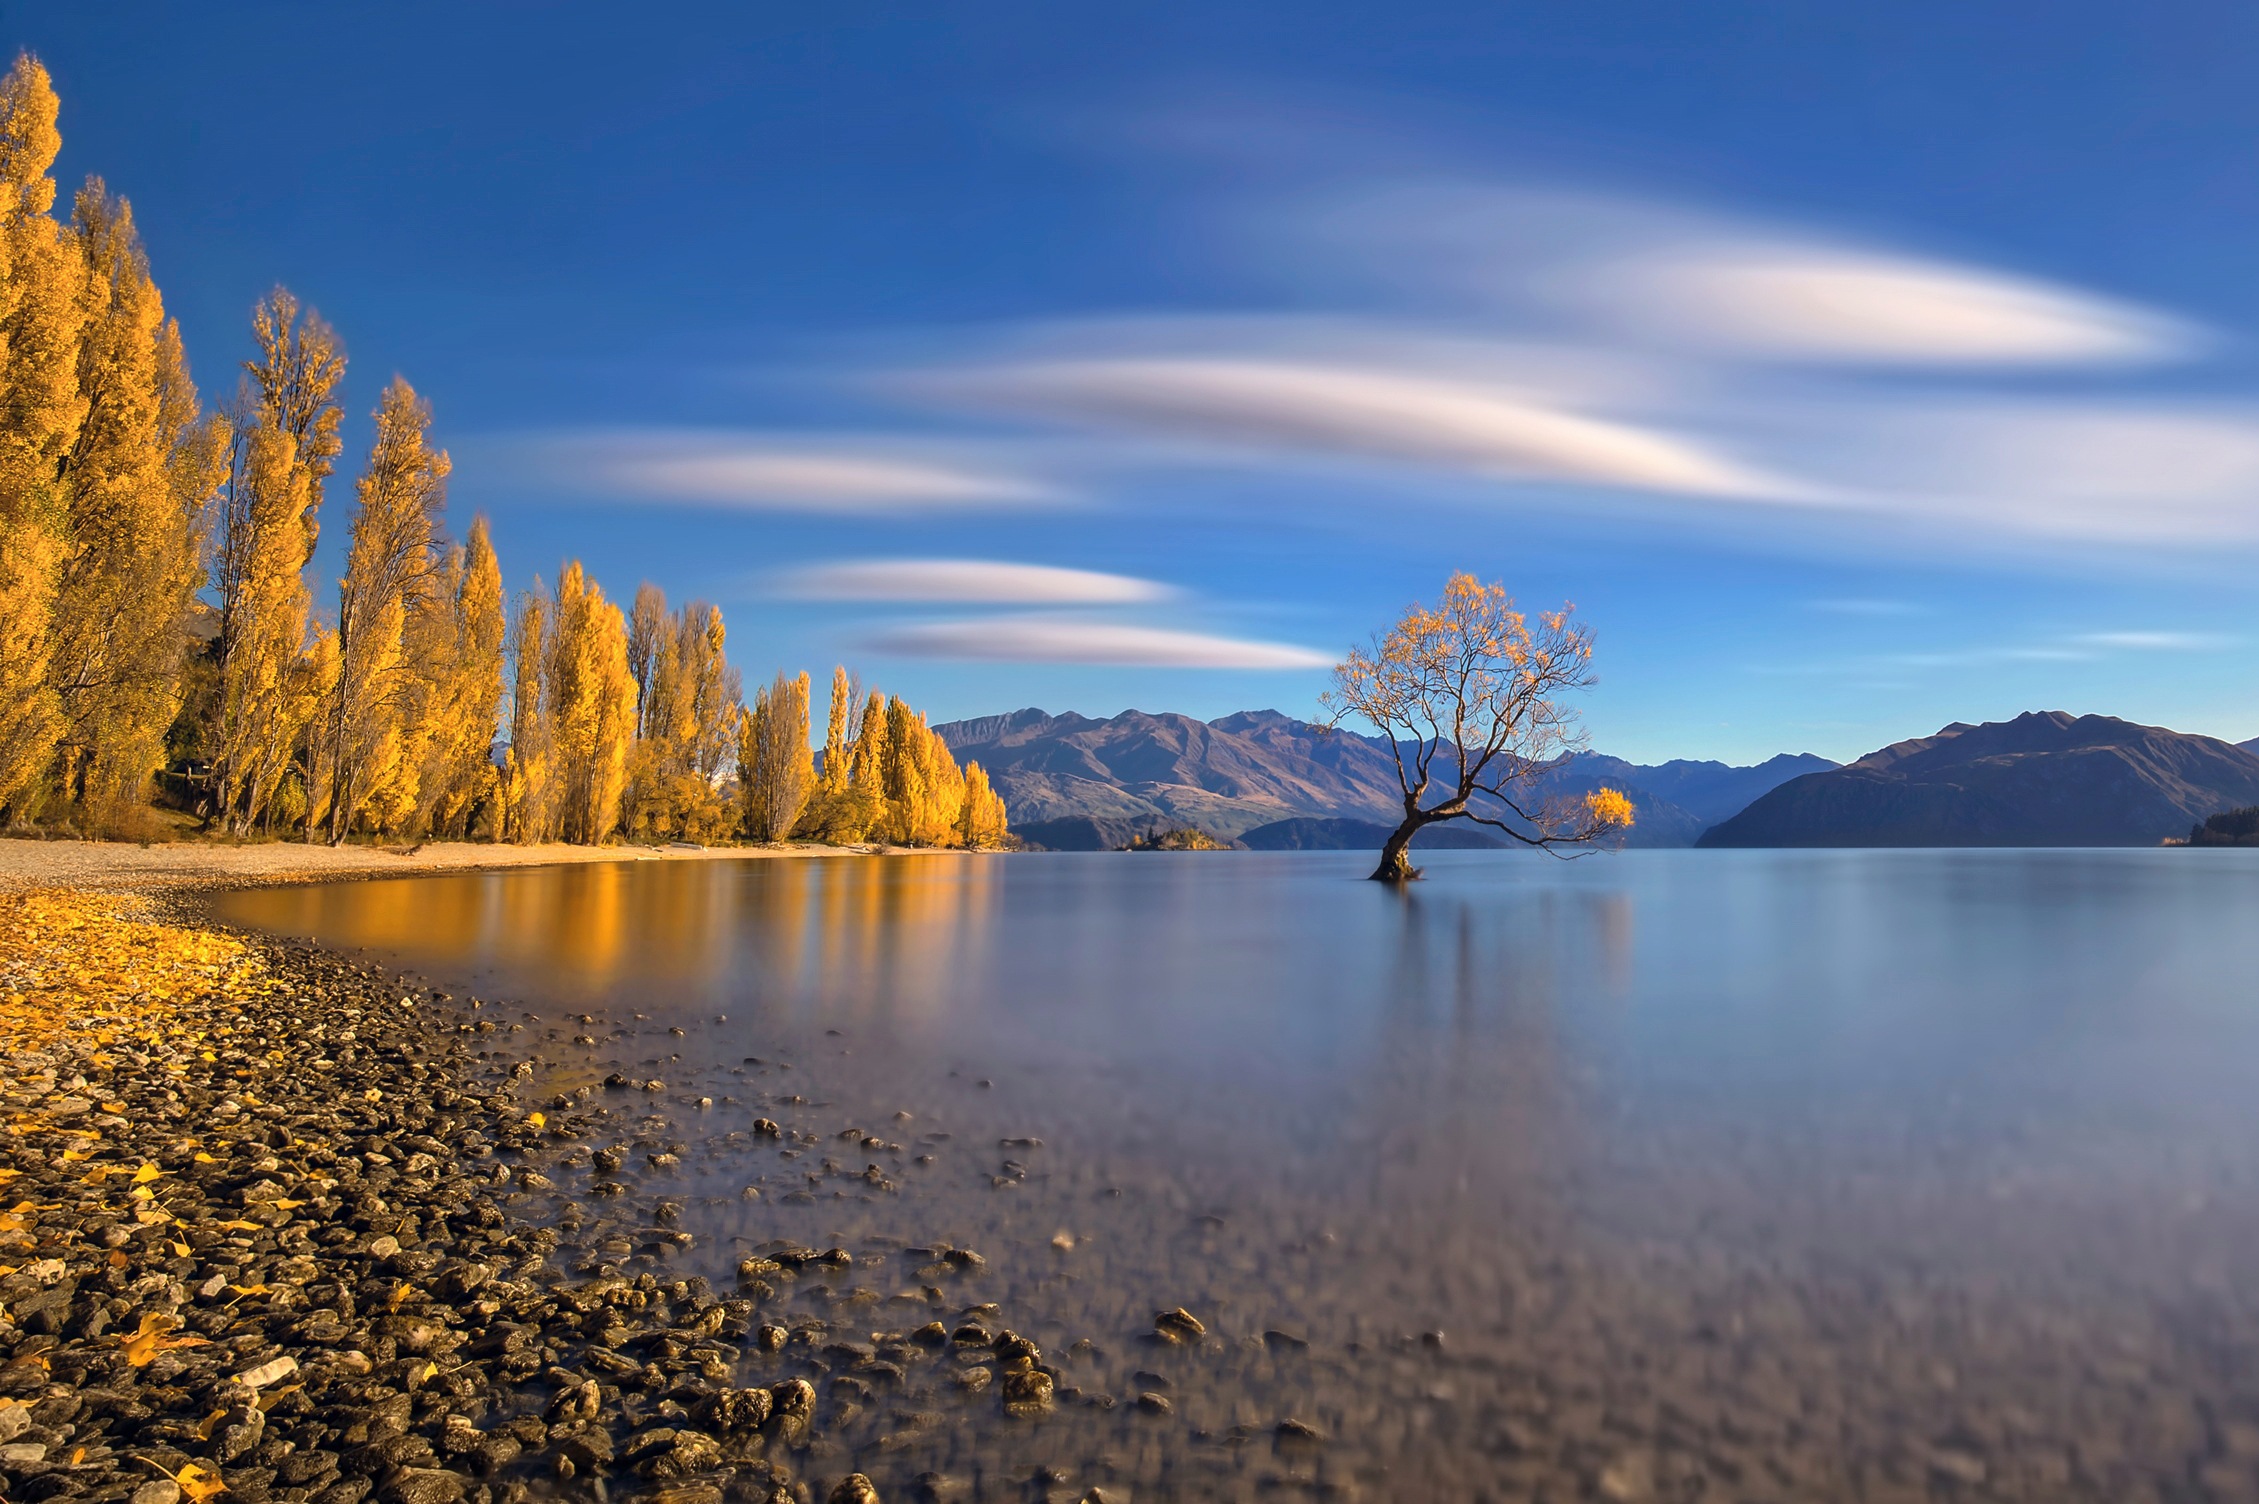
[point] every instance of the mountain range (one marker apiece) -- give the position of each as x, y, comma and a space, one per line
2046, 778
1074, 783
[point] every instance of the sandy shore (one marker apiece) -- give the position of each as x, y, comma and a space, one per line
125, 866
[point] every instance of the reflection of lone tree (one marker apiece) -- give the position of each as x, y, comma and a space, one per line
1469, 697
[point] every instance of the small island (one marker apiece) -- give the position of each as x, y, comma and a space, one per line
1187, 838
2235, 827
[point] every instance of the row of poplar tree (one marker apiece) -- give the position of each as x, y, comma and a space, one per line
155, 607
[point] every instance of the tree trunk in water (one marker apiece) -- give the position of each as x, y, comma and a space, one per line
1395, 860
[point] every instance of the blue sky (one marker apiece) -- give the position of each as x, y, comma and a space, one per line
1854, 369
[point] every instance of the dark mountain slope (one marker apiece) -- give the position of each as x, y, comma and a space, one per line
2042, 779
1137, 771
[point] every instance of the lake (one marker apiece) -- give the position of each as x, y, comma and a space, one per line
1665, 1175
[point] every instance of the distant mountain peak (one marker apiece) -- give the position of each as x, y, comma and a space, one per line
2043, 778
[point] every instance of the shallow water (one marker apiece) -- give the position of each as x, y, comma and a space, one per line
1672, 1175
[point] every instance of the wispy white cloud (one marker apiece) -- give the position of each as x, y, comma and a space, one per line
1288, 409
2072, 647
1042, 639
2087, 471
1656, 272
2161, 641
764, 472
964, 580
1781, 300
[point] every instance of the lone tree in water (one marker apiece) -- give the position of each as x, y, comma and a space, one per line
1469, 696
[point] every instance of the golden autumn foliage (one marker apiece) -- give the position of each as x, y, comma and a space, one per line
574, 721
455, 637
1469, 695
156, 616
1609, 808
284, 450
688, 705
87, 960
775, 769
887, 777
137, 482
375, 734
41, 315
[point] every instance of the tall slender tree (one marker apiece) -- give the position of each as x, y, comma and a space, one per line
776, 770
981, 821
590, 697
529, 782
649, 633
392, 570
136, 486
285, 448
42, 314
457, 633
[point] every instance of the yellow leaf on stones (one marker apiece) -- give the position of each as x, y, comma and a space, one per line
210, 1059
72, 1156
288, 1206
537, 1119
239, 1225
117, 1108
205, 1159
197, 1482
146, 1174
155, 1337
181, 1250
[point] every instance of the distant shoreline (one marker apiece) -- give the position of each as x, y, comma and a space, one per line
128, 866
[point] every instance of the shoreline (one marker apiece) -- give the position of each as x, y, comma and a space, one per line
29, 862
283, 1229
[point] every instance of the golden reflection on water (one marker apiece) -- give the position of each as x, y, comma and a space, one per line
852, 933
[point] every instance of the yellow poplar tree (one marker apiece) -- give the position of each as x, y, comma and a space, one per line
392, 569
591, 707
136, 483
836, 812
528, 774
457, 633
286, 445
982, 821
688, 700
42, 313
834, 780
776, 770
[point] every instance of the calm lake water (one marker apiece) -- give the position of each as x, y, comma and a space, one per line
1672, 1175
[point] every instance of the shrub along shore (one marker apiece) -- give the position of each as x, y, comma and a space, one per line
276, 1228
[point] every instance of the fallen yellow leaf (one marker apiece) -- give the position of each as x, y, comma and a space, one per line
198, 1483
205, 1159
537, 1119
146, 1174
155, 1337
